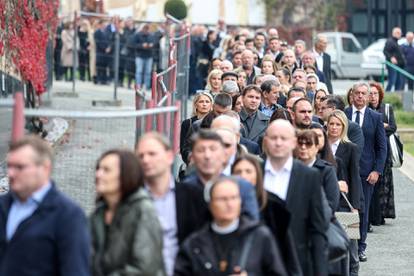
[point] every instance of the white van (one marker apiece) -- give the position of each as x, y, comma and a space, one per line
346, 55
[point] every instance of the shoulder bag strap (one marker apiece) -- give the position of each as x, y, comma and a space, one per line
347, 200
387, 112
245, 251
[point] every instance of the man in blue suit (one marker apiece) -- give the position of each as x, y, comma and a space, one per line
373, 154
42, 232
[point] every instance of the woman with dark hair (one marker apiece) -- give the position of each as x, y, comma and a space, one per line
237, 103
126, 234
307, 151
324, 149
320, 95
248, 166
382, 204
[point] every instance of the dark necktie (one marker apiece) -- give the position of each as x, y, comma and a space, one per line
357, 117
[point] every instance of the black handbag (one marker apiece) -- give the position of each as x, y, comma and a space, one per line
338, 241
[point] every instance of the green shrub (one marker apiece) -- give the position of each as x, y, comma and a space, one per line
404, 118
176, 8
393, 99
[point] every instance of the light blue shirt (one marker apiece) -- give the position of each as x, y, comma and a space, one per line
167, 215
20, 211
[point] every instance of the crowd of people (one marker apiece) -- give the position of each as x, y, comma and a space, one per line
270, 154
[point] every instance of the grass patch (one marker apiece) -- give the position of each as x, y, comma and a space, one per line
404, 119
394, 99
409, 147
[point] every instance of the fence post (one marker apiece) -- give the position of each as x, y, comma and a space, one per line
149, 120
18, 116
75, 51
176, 128
154, 85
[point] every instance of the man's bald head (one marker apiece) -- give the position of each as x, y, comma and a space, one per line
226, 122
396, 32
279, 142
280, 124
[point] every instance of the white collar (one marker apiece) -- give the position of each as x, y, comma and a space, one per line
362, 110
336, 143
226, 229
316, 53
310, 165
286, 167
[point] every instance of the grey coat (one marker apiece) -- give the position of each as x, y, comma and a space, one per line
257, 129
132, 243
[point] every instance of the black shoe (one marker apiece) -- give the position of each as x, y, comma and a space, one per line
370, 229
362, 256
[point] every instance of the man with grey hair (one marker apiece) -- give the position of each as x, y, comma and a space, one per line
300, 48
270, 95
226, 66
393, 53
323, 60
373, 154
248, 66
230, 87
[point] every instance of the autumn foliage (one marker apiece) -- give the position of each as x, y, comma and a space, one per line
25, 29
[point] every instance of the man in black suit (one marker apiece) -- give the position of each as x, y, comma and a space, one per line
333, 102
323, 60
373, 155
299, 187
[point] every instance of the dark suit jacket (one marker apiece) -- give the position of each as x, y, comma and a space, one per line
258, 128
252, 147
329, 182
307, 220
54, 240
355, 135
375, 146
327, 71
349, 155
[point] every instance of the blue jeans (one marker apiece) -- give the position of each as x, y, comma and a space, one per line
143, 71
394, 79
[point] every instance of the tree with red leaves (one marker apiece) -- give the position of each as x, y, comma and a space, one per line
25, 28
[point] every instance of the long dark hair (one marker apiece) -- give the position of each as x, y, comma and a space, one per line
261, 194
326, 152
130, 172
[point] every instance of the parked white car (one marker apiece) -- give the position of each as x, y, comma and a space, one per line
346, 55
373, 57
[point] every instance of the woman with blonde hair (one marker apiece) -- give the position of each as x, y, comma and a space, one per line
214, 82
269, 66
348, 153
202, 105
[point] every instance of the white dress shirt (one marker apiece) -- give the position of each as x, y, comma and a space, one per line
361, 114
334, 146
227, 169
319, 60
277, 182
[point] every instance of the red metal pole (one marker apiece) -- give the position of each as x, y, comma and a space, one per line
18, 116
168, 116
154, 85
149, 119
176, 137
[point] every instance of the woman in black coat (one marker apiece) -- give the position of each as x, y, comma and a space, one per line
349, 155
202, 105
229, 244
382, 204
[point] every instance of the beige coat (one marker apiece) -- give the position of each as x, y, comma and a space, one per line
66, 56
